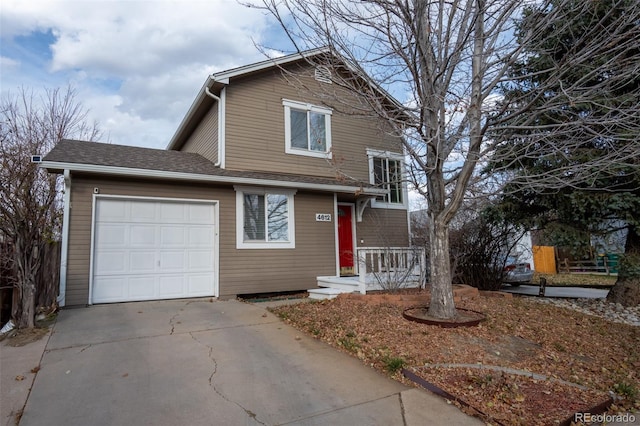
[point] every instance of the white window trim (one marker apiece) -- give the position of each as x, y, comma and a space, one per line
288, 104
373, 153
240, 242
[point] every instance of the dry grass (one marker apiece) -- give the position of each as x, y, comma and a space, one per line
518, 333
577, 280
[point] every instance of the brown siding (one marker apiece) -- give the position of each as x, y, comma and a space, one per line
241, 271
256, 271
255, 130
383, 228
204, 139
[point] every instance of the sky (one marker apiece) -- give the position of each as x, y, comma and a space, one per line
136, 65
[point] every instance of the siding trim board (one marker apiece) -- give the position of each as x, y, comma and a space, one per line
180, 176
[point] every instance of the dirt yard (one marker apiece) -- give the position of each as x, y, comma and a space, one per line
527, 363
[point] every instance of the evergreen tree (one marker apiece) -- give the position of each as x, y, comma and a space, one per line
574, 157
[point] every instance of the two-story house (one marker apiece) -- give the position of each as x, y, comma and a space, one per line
263, 188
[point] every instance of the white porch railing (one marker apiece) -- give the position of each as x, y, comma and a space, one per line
391, 268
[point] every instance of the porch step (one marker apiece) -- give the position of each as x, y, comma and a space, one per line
326, 293
347, 284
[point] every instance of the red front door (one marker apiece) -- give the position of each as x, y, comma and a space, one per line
345, 239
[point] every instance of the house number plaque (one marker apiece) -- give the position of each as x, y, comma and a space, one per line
323, 217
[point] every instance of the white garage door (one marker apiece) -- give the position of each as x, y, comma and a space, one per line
152, 249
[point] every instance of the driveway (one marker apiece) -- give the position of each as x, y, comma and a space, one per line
203, 362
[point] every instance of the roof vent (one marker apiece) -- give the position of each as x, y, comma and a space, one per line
36, 158
323, 74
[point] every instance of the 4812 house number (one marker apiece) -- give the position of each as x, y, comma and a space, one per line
323, 217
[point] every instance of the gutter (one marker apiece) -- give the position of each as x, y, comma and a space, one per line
160, 174
64, 249
221, 122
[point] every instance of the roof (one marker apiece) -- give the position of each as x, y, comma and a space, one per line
215, 81
224, 76
109, 159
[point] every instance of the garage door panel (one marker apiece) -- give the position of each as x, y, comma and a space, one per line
173, 213
142, 236
142, 212
142, 261
173, 236
200, 260
200, 214
113, 211
172, 261
171, 286
152, 249
199, 284
199, 236
111, 262
112, 235
141, 288
110, 289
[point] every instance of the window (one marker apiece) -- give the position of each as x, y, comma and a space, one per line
264, 218
386, 172
307, 129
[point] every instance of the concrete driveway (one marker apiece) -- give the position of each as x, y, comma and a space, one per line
202, 362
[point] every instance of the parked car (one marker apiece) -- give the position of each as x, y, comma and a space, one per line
516, 272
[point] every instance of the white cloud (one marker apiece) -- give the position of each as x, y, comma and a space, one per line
8, 64
137, 64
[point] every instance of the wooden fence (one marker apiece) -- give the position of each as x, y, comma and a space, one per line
604, 265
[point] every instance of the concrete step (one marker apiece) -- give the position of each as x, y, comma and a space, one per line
348, 285
326, 293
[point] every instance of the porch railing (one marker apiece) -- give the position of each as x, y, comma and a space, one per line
391, 268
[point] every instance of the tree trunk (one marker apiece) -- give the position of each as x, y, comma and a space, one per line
626, 291
27, 263
28, 311
441, 305
23, 310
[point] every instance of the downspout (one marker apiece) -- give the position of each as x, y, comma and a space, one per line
221, 123
64, 249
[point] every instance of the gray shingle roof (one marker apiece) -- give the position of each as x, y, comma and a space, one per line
132, 157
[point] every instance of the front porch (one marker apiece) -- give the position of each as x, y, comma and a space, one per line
379, 268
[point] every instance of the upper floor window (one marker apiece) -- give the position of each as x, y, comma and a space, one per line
264, 218
386, 172
307, 129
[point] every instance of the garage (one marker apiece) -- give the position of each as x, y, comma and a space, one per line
152, 249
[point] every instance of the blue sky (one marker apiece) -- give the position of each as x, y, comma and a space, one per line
136, 65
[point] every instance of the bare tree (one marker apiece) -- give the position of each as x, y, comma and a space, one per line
450, 58
29, 207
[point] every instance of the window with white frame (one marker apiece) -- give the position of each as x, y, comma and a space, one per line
264, 218
386, 172
307, 129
